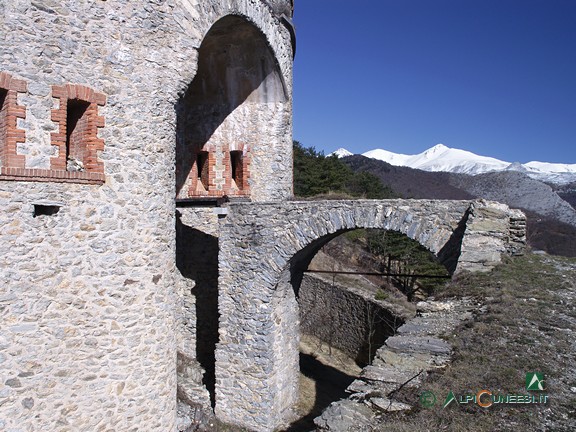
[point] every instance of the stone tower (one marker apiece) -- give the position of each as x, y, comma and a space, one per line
113, 113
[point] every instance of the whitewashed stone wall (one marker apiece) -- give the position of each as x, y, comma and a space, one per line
88, 299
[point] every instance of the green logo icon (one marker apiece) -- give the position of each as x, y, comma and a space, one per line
449, 399
427, 399
534, 381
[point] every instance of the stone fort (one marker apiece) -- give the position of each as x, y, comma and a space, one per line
152, 252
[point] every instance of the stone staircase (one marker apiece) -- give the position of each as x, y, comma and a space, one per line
403, 361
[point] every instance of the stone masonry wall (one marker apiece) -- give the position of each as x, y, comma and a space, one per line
87, 271
235, 109
347, 318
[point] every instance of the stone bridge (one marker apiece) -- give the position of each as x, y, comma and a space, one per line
264, 249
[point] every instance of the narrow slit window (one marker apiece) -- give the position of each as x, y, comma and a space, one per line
3, 94
202, 164
3, 120
77, 134
236, 167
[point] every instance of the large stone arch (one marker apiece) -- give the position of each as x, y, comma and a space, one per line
263, 249
197, 18
234, 117
254, 117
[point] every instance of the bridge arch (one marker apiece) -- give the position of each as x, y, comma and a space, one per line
263, 251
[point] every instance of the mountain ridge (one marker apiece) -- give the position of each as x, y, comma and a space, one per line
551, 219
441, 158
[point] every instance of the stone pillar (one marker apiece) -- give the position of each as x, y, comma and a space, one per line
257, 358
492, 231
257, 355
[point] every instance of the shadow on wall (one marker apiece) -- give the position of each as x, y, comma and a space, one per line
235, 66
197, 259
450, 252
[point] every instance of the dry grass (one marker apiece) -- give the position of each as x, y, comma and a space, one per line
529, 325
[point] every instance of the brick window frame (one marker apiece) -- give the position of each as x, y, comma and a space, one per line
10, 112
237, 171
79, 104
93, 172
202, 175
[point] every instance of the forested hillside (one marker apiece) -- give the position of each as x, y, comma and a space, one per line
317, 175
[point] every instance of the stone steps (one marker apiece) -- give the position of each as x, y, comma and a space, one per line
403, 361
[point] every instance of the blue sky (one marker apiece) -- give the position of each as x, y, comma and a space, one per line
495, 77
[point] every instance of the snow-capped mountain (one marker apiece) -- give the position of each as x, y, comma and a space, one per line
443, 158
341, 152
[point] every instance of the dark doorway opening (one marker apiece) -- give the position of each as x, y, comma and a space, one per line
197, 260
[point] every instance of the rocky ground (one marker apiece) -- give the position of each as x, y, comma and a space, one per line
403, 362
527, 323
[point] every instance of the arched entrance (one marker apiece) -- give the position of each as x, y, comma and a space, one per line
233, 117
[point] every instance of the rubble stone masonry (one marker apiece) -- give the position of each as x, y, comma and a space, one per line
89, 290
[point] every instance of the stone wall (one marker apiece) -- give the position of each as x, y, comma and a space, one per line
346, 318
492, 230
89, 288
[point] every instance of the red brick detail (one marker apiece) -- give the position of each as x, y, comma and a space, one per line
240, 169
10, 111
49, 175
237, 170
202, 177
78, 122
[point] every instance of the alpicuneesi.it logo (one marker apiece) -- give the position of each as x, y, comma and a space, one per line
487, 398
534, 381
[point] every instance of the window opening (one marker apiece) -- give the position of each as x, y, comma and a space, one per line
202, 165
3, 94
45, 210
3, 118
236, 165
76, 134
